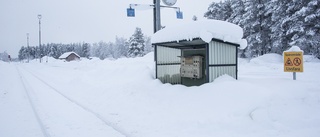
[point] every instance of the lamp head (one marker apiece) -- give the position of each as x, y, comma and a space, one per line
39, 16
169, 2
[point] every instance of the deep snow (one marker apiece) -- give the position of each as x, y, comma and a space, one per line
204, 29
103, 98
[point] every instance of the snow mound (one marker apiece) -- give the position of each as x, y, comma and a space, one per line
264, 102
224, 78
310, 58
49, 59
267, 58
206, 30
94, 59
243, 61
1, 62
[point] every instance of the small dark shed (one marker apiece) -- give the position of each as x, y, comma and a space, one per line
197, 52
69, 56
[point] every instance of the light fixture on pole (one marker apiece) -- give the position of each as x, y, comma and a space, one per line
39, 17
156, 11
169, 2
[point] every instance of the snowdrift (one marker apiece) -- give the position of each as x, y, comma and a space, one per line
263, 102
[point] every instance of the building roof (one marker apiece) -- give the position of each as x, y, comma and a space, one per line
65, 55
205, 30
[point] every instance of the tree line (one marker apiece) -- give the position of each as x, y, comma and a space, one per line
272, 26
136, 45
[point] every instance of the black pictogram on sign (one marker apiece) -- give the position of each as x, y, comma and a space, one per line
297, 61
288, 62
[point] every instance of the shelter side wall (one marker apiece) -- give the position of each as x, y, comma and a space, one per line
168, 65
218, 71
222, 53
222, 60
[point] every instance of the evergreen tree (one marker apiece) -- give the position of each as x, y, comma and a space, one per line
4, 56
305, 32
22, 53
257, 25
101, 50
122, 47
218, 11
148, 47
194, 18
85, 49
238, 9
278, 34
272, 26
136, 44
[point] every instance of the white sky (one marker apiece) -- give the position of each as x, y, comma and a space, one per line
66, 21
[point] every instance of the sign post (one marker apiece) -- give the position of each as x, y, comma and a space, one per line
293, 62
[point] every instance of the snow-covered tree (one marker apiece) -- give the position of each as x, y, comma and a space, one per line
219, 11
194, 18
257, 26
305, 29
238, 10
136, 44
4, 56
122, 46
85, 49
148, 45
272, 26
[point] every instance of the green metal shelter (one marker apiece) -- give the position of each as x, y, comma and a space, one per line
198, 59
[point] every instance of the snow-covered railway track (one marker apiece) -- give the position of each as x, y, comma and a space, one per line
26, 89
42, 89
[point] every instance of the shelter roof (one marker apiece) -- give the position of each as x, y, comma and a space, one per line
206, 30
65, 55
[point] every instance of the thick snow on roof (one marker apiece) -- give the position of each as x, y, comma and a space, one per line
206, 30
65, 55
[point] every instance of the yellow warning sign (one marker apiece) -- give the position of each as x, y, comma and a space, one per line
288, 62
293, 61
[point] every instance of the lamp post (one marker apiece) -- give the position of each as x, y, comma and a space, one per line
28, 47
156, 16
156, 12
39, 17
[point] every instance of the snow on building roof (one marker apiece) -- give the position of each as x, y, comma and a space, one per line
65, 55
206, 30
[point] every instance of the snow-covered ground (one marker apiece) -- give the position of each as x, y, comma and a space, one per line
117, 98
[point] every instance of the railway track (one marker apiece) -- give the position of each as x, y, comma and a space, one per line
26, 75
27, 90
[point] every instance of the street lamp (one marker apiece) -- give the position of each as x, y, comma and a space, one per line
39, 17
28, 47
156, 11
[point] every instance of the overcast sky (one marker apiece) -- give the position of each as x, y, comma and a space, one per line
66, 21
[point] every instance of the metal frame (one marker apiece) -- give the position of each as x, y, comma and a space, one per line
183, 44
226, 65
207, 63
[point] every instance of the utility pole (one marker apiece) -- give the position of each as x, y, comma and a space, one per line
156, 16
28, 47
39, 17
156, 12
